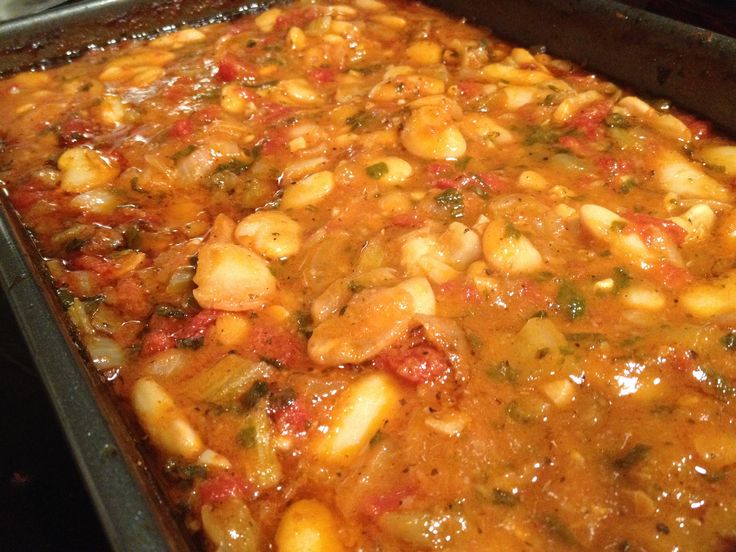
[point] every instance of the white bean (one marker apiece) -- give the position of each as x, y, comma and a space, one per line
273, 234
165, 424
232, 278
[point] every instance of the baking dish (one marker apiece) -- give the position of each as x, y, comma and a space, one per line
48, 353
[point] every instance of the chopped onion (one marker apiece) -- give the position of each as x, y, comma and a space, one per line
180, 280
167, 362
105, 352
196, 165
100, 202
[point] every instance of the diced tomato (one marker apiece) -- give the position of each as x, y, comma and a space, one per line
406, 220
700, 129
76, 131
419, 364
470, 89
670, 276
277, 344
292, 419
98, 265
682, 361
529, 296
493, 183
182, 128
296, 18
157, 341
272, 112
197, 324
275, 142
642, 221
132, 297
178, 89
439, 168
322, 75
614, 167
575, 145
230, 69
589, 120
220, 487
376, 505
445, 183
206, 115
25, 196
462, 288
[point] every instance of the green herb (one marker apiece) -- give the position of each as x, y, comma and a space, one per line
720, 383
265, 84
193, 343
539, 314
621, 279
209, 94
662, 528
715, 476
169, 312
503, 371
549, 100
617, 120
377, 170
451, 200
570, 301
235, 166
368, 69
559, 529
184, 152
377, 438
255, 393
504, 498
729, 341
132, 236
627, 185
462, 163
618, 226
511, 231
354, 287
66, 297
586, 336
75, 244
247, 436
135, 186
183, 473
91, 304
634, 456
303, 323
541, 135
515, 411
276, 363
358, 120
282, 398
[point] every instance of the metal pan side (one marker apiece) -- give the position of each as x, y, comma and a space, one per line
652, 54
127, 497
123, 492
60, 34
695, 68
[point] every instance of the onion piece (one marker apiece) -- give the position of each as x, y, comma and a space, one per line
105, 352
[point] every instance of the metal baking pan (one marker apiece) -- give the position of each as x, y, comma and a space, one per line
693, 67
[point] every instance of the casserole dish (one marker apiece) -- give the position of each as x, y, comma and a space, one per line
16, 279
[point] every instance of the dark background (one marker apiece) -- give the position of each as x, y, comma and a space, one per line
43, 502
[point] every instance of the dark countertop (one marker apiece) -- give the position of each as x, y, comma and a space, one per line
43, 501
